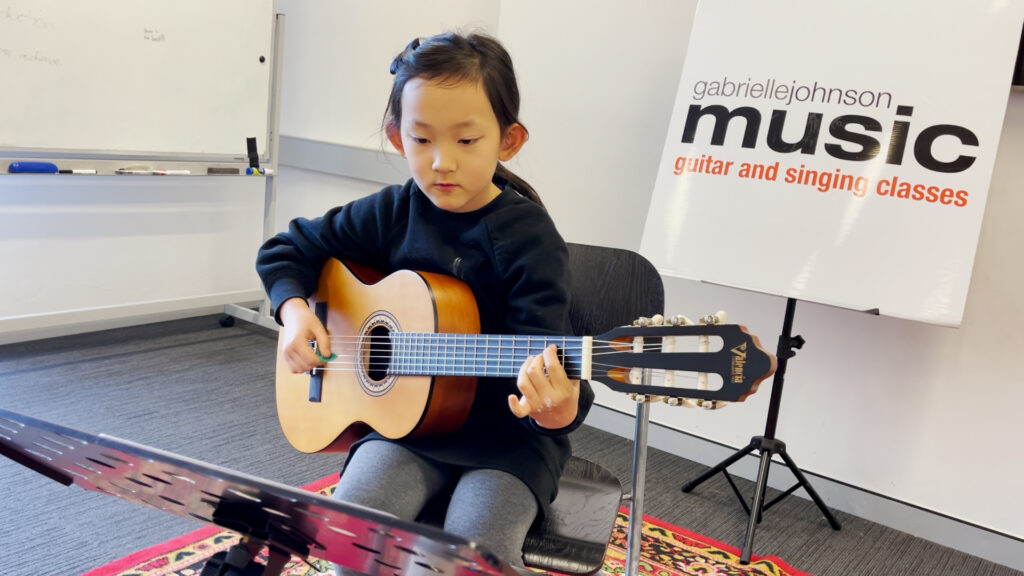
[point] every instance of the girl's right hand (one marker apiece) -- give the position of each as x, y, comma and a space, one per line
299, 326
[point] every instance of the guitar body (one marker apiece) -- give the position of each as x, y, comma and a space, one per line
360, 306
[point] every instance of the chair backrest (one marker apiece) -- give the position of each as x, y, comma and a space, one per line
611, 287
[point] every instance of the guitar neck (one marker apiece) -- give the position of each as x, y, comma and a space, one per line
428, 354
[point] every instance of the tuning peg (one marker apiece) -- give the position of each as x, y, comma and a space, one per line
680, 320
635, 397
716, 318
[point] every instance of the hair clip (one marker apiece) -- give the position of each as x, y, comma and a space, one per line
411, 46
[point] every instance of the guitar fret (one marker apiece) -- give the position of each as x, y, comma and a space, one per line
502, 351
425, 367
512, 367
421, 359
512, 356
467, 361
410, 351
449, 357
457, 363
436, 358
499, 369
396, 343
425, 358
499, 356
417, 364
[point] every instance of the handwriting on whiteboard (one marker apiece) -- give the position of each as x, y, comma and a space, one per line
153, 35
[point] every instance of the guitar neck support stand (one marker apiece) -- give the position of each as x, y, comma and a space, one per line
289, 521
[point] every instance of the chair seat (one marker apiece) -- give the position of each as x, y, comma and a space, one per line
574, 536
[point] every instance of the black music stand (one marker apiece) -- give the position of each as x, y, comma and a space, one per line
768, 445
289, 521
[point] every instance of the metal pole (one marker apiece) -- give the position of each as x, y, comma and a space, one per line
636, 505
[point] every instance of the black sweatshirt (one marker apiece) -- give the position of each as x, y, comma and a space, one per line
514, 261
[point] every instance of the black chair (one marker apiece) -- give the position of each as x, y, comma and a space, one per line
610, 287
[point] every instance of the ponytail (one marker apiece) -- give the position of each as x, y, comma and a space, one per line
518, 183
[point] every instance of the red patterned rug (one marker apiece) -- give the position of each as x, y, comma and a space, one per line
665, 550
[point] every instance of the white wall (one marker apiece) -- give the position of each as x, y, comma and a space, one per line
345, 50
82, 250
917, 413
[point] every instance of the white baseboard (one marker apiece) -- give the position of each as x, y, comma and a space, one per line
922, 523
63, 323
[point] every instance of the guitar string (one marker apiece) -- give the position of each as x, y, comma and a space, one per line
442, 355
491, 342
485, 343
511, 365
351, 365
412, 336
657, 374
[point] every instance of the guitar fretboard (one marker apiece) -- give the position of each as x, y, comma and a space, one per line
417, 354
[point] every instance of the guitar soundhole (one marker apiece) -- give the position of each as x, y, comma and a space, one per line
376, 353
380, 353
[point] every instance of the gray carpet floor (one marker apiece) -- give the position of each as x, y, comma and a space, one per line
207, 392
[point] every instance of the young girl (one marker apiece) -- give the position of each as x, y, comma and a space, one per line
452, 114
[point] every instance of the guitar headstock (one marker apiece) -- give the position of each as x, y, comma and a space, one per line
739, 361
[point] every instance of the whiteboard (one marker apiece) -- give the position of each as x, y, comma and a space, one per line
128, 77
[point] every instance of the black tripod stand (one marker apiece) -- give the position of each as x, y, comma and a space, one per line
768, 445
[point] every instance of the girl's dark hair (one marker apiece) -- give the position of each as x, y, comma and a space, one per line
456, 58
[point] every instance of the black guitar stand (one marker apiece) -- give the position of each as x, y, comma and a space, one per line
768, 445
288, 521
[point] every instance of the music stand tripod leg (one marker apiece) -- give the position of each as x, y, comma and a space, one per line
768, 444
757, 505
720, 467
810, 491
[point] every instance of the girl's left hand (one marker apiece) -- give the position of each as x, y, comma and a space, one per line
548, 396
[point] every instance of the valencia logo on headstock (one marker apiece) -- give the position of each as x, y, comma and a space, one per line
739, 359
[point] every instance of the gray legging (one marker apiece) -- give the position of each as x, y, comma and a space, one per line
490, 507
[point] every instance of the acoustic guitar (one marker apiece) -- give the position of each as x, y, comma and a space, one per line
406, 355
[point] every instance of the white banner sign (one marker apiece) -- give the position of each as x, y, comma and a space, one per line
839, 153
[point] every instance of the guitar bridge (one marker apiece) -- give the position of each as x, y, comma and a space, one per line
316, 375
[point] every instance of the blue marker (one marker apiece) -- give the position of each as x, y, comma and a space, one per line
32, 168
